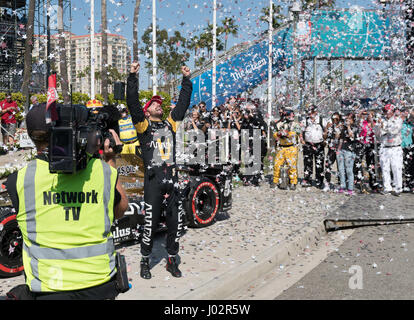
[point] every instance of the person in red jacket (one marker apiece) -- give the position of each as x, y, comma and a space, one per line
8, 119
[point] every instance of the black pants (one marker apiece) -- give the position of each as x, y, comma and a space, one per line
329, 162
314, 152
161, 194
255, 178
105, 291
367, 151
408, 167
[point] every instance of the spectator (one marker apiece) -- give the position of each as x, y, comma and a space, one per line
360, 116
331, 135
34, 102
346, 155
236, 123
8, 119
215, 119
408, 150
195, 122
204, 114
236, 119
253, 119
367, 139
391, 154
313, 148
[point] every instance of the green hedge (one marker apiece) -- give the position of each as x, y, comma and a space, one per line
83, 98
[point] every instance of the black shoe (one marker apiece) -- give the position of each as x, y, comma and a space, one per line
272, 185
145, 269
292, 187
172, 267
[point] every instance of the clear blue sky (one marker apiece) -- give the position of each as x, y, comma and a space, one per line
187, 16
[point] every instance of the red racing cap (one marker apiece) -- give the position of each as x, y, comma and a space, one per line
153, 99
389, 107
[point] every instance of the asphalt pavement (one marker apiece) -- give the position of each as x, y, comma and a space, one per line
374, 263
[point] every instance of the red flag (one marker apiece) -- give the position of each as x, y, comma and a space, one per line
52, 96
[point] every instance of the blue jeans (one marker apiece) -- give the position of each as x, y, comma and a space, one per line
346, 161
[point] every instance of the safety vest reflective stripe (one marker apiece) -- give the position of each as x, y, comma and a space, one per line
106, 197
30, 200
72, 253
36, 252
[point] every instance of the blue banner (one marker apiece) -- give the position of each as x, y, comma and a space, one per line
245, 70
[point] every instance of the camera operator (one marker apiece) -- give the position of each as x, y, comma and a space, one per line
160, 180
65, 220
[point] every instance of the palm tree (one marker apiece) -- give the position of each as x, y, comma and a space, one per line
206, 40
64, 84
278, 17
28, 52
104, 56
229, 27
135, 31
194, 44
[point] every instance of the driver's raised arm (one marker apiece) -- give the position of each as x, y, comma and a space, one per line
133, 103
184, 99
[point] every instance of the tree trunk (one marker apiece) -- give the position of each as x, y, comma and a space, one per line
135, 54
64, 83
104, 56
28, 46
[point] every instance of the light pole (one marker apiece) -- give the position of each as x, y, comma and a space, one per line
92, 49
269, 70
154, 47
213, 102
295, 9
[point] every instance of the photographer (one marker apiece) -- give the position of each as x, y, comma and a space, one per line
253, 119
158, 152
65, 220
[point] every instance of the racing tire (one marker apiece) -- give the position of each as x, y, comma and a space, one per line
203, 203
11, 244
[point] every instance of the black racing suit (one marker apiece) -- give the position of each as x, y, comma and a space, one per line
157, 140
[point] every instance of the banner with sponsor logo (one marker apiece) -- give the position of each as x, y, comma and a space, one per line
355, 33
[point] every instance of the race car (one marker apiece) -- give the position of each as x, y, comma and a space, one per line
205, 193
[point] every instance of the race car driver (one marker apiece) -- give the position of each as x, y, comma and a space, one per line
157, 143
287, 137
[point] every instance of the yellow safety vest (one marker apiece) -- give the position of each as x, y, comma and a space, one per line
127, 132
65, 222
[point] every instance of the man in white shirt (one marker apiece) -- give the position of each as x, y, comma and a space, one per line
391, 154
313, 148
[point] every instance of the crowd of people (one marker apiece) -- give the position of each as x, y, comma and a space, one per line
370, 151
376, 144
236, 114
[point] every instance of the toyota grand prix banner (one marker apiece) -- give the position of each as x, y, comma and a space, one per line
244, 70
